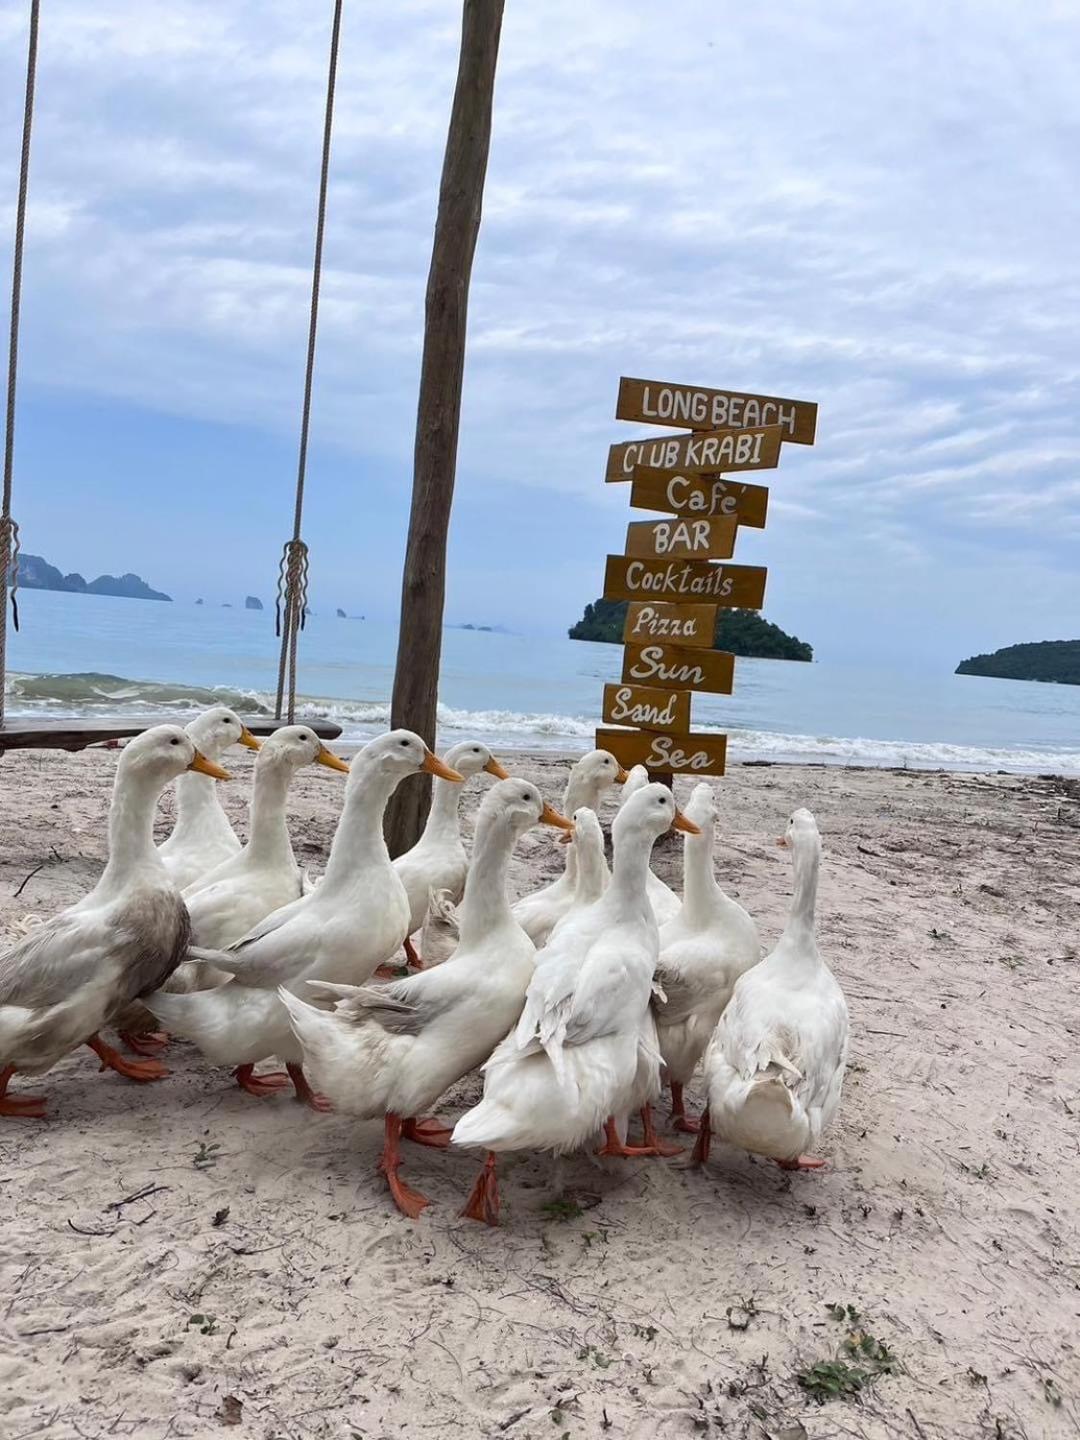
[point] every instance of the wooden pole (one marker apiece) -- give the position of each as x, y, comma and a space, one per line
457, 224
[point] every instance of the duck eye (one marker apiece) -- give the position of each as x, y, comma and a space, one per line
174, 741
405, 743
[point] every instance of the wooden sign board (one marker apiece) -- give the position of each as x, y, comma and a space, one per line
627, 578
757, 449
673, 667
644, 705
666, 754
682, 494
688, 625
683, 538
659, 403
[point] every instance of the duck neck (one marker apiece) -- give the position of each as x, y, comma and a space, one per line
358, 841
131, 826
701, 894
591, 873
806, 862
197, 803
268, 838
578, 793
444, 817
485, 906
631, 870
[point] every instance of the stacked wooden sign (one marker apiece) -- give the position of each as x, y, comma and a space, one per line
668, 572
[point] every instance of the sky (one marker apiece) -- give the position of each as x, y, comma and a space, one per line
875, 208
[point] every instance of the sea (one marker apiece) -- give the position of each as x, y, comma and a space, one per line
96, 655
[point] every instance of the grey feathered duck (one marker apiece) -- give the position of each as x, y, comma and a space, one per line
77, 972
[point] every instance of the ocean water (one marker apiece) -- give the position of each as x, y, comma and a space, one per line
89, 654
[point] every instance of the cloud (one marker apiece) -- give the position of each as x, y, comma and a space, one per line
871, 209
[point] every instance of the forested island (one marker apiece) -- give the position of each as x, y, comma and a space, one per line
741, 632
1054, 661
35, 573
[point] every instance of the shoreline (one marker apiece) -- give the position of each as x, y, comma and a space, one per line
646, 1296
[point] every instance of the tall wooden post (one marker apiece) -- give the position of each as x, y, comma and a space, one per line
457, 224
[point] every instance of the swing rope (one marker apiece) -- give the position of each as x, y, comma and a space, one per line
9, 530
291, 606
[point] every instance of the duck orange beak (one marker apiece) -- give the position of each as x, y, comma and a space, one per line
207, 767
781, 840
434, 766
330, 760
248, 739
622, 776
549, 816
494, 768
686, 826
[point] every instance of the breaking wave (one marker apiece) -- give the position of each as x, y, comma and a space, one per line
92, 694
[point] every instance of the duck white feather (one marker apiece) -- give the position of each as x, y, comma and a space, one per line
438, 861
73, 974
703, 951
589, 779
392, 1050
665, 902
203, 837
572, 1059
353, 921
775, 1065
264, 876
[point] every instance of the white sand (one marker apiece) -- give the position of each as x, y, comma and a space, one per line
663, 1302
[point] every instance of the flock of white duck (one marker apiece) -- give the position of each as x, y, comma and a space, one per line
579, 1001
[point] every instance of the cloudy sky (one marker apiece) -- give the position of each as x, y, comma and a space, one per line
874, 208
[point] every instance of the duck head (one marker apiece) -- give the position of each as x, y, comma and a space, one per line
294, 746
472, 758
398, 754
701, 807
216, 729
522, 806
590, 777
651, 811
162, 753
802, 834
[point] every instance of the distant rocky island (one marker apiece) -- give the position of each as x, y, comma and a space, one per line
252, 602
1053, 661
35, 573
740, 632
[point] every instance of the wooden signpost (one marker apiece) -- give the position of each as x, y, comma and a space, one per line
668, 573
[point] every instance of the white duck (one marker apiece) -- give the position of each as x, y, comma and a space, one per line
392, 1050
438, 862
703, 951
775, 1065
572, 1060
666, 904
71, 975
203, 837
341, 931
590, 777
593, 876
264, 876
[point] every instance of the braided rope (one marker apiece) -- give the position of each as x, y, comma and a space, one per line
9, 531
293, 570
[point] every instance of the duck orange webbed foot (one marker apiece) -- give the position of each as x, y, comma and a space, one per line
151, 1043
409, 1201
802, 1162
483, 1201
614, 1146
687, 1124
427, 1131
19, 1107
412, 956
305, 1094
260, 1085
141, 1070
654, 1145
701, 1150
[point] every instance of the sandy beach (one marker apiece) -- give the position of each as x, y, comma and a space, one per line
180, 1257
